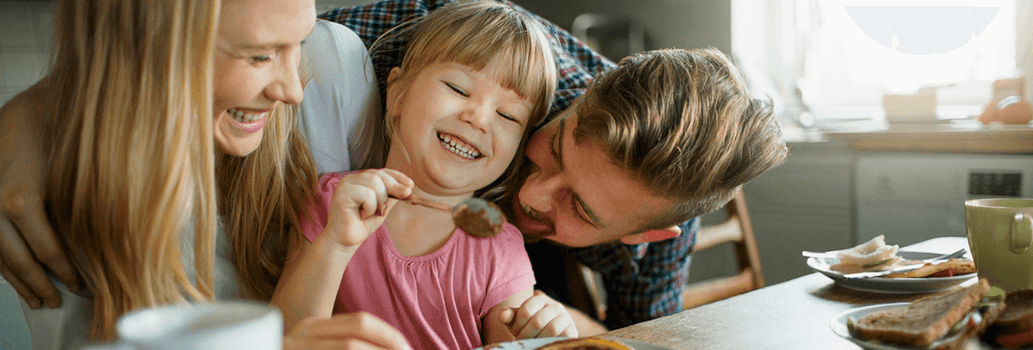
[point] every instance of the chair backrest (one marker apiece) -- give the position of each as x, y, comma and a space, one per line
736, 230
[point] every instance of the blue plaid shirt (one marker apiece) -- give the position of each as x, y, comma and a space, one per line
643, 281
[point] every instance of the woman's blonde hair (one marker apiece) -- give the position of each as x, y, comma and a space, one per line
132, 156
261, 197
477, 34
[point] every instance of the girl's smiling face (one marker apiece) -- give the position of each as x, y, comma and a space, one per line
256, 59
457, 128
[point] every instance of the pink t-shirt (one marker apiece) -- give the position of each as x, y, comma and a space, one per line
436, 300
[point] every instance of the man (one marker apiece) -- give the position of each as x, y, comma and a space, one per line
664, 137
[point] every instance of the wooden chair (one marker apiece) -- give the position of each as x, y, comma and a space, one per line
735, 229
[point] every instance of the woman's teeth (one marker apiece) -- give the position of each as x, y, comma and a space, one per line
459, 148
244, 117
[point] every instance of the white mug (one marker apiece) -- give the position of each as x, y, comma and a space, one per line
220, 325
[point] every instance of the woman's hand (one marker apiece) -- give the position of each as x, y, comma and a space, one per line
25, 234
358, 330
360, 197
539, 317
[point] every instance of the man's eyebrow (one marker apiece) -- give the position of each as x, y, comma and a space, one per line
558, 151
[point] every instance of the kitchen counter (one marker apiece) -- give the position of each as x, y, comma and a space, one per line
966, 136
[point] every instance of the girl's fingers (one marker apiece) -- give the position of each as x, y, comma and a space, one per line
525, 314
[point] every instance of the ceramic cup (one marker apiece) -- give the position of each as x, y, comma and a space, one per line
1000, 233
221, 325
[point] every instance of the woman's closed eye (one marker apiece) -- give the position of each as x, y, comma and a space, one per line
261, 58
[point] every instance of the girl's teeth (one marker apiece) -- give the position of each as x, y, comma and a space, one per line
461, 150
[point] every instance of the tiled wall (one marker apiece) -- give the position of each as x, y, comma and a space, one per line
25, 28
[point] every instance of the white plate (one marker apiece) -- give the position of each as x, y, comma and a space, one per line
838, 326
890, 285
531, 344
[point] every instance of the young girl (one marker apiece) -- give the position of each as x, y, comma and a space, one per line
475, 79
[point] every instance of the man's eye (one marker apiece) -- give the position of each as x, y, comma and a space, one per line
577, 213
260, 59
457, 89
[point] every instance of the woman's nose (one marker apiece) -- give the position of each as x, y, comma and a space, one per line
287, 84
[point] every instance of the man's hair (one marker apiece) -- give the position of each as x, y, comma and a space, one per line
684, 124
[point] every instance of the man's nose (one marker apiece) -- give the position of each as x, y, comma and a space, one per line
540, 190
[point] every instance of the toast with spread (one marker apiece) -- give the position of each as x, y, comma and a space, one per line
939, 321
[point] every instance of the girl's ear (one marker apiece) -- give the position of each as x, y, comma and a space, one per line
393, 89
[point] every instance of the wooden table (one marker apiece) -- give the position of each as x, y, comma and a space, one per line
791, 315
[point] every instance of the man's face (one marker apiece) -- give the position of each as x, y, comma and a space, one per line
575, 195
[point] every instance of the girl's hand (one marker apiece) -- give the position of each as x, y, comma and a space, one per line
361, 197
358, 330
539, 317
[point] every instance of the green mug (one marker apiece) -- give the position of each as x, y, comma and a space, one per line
1000, 233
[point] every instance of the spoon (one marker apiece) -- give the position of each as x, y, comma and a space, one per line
475, 216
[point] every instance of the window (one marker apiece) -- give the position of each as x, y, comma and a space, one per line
837, 58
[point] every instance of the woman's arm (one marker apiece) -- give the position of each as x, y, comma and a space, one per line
357, 330
26, 237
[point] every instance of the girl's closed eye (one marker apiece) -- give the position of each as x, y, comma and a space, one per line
457, 89
261, 58
508, 117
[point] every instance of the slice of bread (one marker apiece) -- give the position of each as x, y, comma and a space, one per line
1012, 328
1019, 314
955, 266
923, 321
589, 343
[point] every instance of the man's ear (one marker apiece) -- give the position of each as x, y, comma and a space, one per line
652, 236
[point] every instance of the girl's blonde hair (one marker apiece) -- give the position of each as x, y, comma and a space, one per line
476, 34
132, 156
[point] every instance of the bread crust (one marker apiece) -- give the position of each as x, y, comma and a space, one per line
923, 321
1018, 316
959, 266
589, 343
992, 312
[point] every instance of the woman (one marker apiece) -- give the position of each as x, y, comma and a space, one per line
146, 102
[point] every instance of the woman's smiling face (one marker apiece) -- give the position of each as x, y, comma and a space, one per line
256, 59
